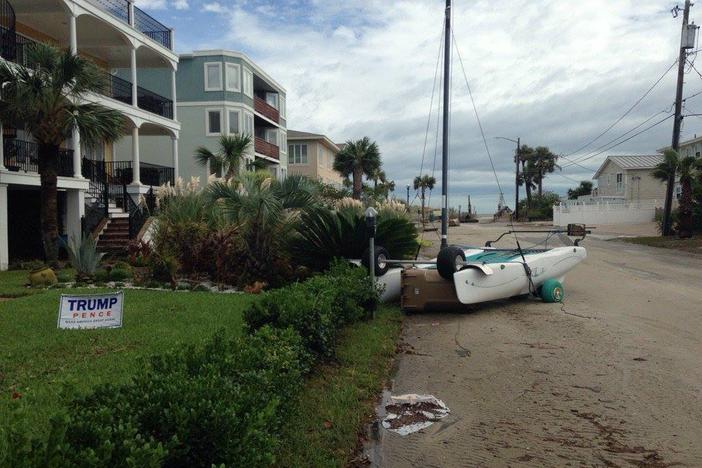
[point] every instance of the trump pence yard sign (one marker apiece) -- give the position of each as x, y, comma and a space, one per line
91, 311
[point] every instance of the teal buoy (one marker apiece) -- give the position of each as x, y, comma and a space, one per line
552, 291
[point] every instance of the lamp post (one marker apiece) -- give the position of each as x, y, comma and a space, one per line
516, 175
371, 214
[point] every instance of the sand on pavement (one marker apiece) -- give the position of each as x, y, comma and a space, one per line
611, 378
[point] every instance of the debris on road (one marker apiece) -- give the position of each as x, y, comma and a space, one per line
411, 413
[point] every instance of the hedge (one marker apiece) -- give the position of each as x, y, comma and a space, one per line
222, 402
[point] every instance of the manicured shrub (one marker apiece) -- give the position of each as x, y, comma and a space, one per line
119, 274
317, 308
219, 403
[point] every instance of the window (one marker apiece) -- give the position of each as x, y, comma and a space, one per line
234, 125
213, 76
620, 182
272, 136
214, 122
320, 157
248, 124
233, 77
272, 99
282, 106
297, 154
248, 82
283, 142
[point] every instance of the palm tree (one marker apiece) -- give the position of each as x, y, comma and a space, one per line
526, 176
543, 162
685, 168
356, 159
48, 101
388, 186
256, 165
228, 159
422, 183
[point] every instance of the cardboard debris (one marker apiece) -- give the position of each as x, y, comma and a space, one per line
411, 413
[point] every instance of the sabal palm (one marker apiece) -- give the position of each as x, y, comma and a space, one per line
357, 158
685, 168
228, 157
424, 183
48, 101
542, 163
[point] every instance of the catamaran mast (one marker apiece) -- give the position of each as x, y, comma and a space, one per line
445, 139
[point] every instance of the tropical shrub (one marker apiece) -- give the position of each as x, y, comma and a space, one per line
84, 257
323, 235
541, 207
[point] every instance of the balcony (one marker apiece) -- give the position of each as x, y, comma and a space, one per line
266, 110
261, 146
121, 173
142, 22
23, 156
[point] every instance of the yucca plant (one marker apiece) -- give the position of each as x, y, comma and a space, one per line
323, 234
84, 257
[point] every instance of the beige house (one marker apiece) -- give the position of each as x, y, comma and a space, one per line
312, 155
629, 178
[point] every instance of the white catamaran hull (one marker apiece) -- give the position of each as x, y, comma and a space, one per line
483, 281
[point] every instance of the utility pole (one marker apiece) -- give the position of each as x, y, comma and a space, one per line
408, 187
516, 182
685, 43
445, 136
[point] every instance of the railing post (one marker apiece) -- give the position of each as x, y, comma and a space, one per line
105, 190
2, 148
130, 13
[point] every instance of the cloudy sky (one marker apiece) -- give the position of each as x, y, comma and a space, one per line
555, 73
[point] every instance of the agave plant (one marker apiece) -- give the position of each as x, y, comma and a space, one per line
84, 257
323, 234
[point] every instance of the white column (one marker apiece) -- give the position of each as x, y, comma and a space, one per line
73, 34
134, 77
4, 248
77, 172
174, 143
173, 95
135, 157
75, 210
131, 13
2, 148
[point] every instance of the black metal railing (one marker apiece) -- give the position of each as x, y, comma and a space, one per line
138, 212
23, 156
8, 33
117, 8
22, 46
155, 175
152, 102
119, 89
152, 28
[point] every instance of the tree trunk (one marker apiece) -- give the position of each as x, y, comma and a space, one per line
685, 222
422, 217
357, 182
527, 186
541, 183
48, 214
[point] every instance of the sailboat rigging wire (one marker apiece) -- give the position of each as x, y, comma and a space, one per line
431, 101
477, 117
638, 101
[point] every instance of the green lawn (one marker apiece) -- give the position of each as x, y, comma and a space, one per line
48, 366
42, 363
339, 399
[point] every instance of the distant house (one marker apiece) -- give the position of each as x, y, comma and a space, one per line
312, 155
629, 178
692, 147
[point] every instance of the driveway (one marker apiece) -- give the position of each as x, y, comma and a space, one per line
611, 378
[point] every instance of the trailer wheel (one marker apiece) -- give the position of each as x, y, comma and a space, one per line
552, 291
381, 260
450, 260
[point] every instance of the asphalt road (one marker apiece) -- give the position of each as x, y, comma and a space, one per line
611, 378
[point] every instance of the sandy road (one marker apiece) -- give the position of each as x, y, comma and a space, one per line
614, 378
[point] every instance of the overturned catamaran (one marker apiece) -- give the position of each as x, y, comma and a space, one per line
470, 275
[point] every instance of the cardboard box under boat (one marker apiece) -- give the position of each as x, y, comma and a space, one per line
424, 288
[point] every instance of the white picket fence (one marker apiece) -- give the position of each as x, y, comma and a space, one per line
605, 212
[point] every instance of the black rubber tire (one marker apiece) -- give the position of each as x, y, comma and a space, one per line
381, 260
447, 259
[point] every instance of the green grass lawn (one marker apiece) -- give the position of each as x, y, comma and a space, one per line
339, 399
48, 366
45, 364
692, 245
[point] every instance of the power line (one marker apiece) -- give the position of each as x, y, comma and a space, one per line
632, 136
625, 113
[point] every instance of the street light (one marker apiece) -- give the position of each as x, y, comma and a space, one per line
516, 176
